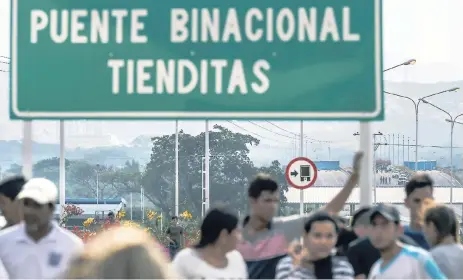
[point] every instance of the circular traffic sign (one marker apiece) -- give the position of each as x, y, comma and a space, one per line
301, 173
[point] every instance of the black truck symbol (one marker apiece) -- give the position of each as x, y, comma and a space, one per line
305, 173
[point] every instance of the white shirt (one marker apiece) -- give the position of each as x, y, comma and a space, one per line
24, 258
411, 263
188, 264
3, 273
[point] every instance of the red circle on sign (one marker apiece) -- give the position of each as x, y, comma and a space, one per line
314, 177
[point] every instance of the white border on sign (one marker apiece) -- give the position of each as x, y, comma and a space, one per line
205, 115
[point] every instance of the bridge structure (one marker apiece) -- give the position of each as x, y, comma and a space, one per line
331, 180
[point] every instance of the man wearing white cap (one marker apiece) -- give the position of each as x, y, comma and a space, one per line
38, 247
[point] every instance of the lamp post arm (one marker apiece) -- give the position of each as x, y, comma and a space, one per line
438, 108
437, 93
393, 67
456, 117
401, 96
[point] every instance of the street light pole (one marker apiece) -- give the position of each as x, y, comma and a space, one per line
452, 123
416, 105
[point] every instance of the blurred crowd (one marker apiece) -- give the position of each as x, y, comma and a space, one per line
373, 244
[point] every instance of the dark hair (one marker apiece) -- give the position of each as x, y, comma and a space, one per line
216, 220
420, 180
262, 183
12, 186
320, 216
174, 218
444, 220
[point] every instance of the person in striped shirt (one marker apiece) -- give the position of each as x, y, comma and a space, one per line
316, 259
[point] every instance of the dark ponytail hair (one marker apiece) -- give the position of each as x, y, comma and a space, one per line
444, 220
216, 220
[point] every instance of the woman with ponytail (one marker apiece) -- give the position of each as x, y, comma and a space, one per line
214, 257
442, 231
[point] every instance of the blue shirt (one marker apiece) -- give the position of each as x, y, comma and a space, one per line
418, 237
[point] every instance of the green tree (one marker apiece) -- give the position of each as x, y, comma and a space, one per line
123, 180
81, 177
46, 168
230, 170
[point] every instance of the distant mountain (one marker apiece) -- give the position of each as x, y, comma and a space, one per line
115, 155
400, 119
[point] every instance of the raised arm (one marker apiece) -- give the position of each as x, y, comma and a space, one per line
337, 203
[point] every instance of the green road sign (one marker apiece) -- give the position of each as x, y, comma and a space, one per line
183, 59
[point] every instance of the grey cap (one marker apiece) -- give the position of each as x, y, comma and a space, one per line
389, 212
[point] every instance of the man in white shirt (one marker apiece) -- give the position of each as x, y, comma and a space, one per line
398, 261
38, 247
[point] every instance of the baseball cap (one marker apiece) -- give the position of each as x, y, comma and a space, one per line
360, 214
389, 212
41, 190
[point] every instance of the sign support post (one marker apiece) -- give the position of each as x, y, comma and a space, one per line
301, 202
62, 168
206, 167
27, 149
366, 172
177, 194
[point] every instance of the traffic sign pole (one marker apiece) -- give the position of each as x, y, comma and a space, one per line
301, 173
301, 199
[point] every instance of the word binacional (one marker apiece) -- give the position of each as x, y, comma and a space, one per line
183, 76
302, 24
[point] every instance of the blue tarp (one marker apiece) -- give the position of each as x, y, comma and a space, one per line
422, 165
327, 165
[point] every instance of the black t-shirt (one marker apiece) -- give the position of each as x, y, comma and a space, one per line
362, 255
345, 237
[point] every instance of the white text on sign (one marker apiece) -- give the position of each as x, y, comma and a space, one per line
184, 76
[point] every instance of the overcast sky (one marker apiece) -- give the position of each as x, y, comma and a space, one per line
428, 30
